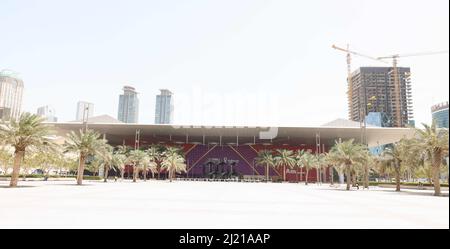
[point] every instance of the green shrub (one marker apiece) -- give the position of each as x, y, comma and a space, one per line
93, 178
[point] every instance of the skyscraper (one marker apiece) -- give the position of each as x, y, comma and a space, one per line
164, 107
48, 113
440, 115
128, 105
373, 91
84, 108
11, 92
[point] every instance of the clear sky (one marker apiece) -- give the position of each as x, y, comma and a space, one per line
243, 62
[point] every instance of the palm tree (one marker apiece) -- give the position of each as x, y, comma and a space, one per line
424, 171
173, 162
333, 165
265, 158
173, 150
85, 143
122, 149
45, 158
367, 161
347, 153
106, 153
139, 160
27, 131
155, 156
299, 162
120, 159
93, 165
394, 156
434, 143
318, 164
363, 167
285, 158
119, 162
307, 161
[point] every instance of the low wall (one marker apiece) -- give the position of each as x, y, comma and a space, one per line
410, 187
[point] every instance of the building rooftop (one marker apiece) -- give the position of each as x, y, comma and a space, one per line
165, 92
116, 133
10, 73
340, 122
129, 88
102, 119
439, 107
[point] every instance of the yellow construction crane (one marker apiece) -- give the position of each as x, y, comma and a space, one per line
397, 87
397, 84
362, 112
349, 74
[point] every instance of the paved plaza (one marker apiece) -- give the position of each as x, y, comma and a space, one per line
160, 204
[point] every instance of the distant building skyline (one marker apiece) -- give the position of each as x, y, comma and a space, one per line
440, 114
84, 110
373, 91
164, 107
11, 93
47, 112
243, 47
128, 106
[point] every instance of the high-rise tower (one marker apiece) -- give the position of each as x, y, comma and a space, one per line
128, 105
373, 91
11, 92
164, 107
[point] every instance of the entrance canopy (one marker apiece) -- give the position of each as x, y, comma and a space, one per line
119, 133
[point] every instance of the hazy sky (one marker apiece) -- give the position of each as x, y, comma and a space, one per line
243, 62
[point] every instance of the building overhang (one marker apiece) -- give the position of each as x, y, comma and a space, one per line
161, 133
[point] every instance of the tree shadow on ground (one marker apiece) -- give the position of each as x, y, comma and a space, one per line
7, 186
403, 192
391, 191
72, 184
340, 189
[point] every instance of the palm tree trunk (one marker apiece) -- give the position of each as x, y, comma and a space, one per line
331, 176
284, 173
47, 174
354, 178
135, 173
366, 176
349, 178
80, 172
301, 174
397, 177
18, 156
317, 176
267, 172
436, 181
306, 177
145, 174
437, 173
105, 174
122, 172
170, 175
